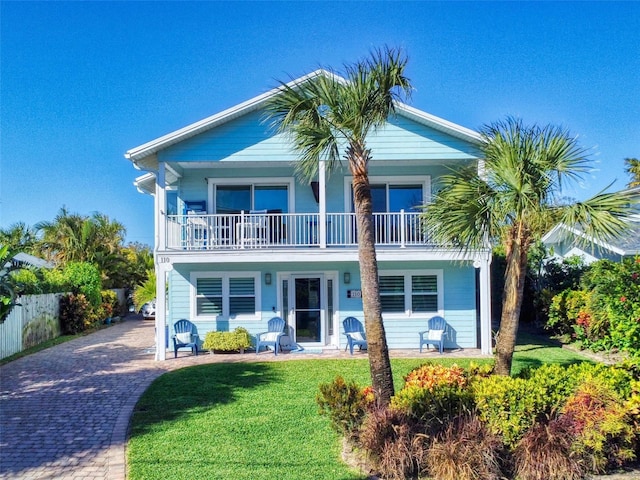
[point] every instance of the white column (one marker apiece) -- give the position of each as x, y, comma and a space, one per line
322, 204
485, 304
162, 267
161, 261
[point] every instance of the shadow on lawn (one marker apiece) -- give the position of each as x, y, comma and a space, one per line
196, 389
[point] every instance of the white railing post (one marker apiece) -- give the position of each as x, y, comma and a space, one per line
403, 232
240, 229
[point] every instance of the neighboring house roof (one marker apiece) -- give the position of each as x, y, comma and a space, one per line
627, 245
26, 259
144, 157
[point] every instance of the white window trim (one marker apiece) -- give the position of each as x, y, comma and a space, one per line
253, 182
225, 276
407, 274
424, 180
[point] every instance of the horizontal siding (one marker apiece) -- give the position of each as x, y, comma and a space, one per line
459, 301
248, 138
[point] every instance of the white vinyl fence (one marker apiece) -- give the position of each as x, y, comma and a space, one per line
34, 321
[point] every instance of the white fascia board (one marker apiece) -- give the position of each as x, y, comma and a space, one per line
441, 124
243, 108
556, 235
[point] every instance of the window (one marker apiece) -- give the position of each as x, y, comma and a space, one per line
392, 294
412, 292
236, 198
227, 295
391, 197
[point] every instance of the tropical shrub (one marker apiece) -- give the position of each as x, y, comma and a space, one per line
545, 452
74, 312
394, 441
234, 341
345, 405
605, 312
434, 393
603, 435
110, 305
83, 277
466, 450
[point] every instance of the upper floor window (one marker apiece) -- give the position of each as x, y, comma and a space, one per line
236, 198
395, 194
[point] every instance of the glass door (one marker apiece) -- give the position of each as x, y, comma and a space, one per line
308, 309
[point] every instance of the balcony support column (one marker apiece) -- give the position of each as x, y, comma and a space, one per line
322, 205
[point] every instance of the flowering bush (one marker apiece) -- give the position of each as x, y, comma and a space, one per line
434, 393
605, 313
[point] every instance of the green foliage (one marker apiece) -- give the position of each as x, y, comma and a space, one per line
234, 341
604, 436
75, 312
434, 393
146, 290
605, 313
344, 404
110, 305
84, 278
7, 290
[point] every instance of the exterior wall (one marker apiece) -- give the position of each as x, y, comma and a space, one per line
459, 300
248, 138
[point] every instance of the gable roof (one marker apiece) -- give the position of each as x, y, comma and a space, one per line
144, 156
627, 245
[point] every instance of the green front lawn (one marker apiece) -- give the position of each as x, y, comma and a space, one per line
257, 420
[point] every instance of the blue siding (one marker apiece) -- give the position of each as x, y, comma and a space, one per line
249, 138
459, 300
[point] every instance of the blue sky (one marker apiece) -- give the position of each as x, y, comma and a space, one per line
83, 82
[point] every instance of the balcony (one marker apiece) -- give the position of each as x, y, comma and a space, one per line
248, 231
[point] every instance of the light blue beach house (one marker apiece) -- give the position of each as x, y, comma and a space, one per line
240, 240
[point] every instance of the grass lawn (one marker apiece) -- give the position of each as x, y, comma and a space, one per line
259, 420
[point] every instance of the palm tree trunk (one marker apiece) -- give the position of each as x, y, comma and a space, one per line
512, 303
379, 363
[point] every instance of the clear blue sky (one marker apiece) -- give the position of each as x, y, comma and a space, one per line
83, 82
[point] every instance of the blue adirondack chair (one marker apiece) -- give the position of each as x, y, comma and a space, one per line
355, 333
435, 334
271, 338
185, 336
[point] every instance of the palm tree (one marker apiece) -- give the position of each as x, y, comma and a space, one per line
513, 199
633, 169
19, 237
325, 114
77, 238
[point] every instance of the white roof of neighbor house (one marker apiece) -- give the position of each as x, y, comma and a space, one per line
26, 259
143, 156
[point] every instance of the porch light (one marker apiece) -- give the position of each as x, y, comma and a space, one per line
267, 278
347, 277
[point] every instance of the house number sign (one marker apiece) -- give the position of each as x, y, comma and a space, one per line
354, 293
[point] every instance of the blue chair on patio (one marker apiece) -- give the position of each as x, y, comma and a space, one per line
271, 338
355, 333
435, 334
185, 336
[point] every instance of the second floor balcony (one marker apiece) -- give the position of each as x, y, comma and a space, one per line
264, 229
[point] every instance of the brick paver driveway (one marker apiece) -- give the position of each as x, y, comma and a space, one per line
64, 411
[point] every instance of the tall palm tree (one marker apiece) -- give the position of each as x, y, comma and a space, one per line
328, 118
513, 199
633, 169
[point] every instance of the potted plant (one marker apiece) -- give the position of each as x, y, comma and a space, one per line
227, 342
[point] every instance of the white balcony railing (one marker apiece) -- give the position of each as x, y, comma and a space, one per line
271, 230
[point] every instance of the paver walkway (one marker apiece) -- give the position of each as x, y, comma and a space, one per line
64, 411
